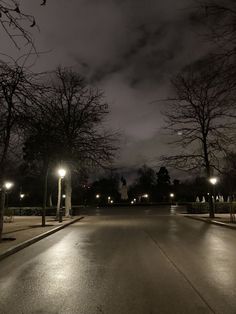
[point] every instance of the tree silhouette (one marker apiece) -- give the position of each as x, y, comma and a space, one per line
201, 118
69, 127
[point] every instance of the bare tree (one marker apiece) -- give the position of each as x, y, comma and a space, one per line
17, 91
16, 23
201, 119
74, 114
41, 145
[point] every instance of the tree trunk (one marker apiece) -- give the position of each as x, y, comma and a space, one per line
208, 172
45, 190
211, 206
2, 207
59, 198
68, 190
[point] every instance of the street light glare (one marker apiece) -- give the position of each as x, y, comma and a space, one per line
8, 185
61, 172
98, 195
172, 195
213, 180
22, 195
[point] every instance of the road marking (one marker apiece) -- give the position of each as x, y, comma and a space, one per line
180, 271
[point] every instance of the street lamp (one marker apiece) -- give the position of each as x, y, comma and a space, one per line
61, 174
7, 185
21, 198
213, 181
97, 195
171, 198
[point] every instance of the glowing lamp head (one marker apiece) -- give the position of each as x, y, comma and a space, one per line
64, 196
145, 195
213, 180
22, 195
172, 195
112, 201
61, 172
97, 195
8, 185
109, 198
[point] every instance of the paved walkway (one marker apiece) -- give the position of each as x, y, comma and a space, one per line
220, 219
24, 228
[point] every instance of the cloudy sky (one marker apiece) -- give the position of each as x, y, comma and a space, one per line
129, 48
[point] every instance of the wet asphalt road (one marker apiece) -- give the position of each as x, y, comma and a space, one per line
136, 261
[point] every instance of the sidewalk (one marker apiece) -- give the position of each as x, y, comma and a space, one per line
220, 219
26, 230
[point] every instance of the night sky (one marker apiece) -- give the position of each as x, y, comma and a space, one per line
129, 48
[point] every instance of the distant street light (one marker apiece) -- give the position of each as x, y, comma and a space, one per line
21, 198
97, 195
213, 180
112, 201
171, 198
8, 185
145, 195
61, 174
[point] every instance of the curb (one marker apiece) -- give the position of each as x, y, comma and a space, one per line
213, 222
37, 238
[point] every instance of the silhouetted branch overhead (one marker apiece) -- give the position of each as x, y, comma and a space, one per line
16, 23
219, 17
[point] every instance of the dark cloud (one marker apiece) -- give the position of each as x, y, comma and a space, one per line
130, 48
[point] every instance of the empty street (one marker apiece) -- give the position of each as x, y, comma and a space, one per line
124, 260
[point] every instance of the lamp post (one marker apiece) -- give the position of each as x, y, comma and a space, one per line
21, 198
171, 198
7, 185
61, 174
97, 198
213, 181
